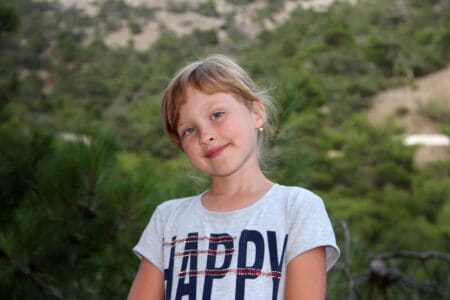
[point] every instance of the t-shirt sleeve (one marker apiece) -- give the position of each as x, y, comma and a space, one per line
311, 228
149, 245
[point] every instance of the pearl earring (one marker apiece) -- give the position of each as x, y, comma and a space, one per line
260, 129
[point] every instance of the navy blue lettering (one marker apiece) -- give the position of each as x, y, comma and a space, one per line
214, 272
276, 264
190, 256
244, 271
168, 273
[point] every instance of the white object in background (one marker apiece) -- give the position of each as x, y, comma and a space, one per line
427, 140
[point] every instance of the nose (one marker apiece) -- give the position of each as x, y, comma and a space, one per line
207, 135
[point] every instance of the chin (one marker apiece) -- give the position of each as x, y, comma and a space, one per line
223, 173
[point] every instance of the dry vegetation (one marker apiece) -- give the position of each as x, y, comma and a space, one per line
182, 17
414, 108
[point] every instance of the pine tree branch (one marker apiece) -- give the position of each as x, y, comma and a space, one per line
88, 212
26, 271
415, 255
381, 277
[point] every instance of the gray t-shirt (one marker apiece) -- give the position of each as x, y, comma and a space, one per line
241, 254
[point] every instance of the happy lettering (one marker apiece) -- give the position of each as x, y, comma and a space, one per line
251, 251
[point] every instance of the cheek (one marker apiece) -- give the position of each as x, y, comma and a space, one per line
189, 150
185, 147
240, 128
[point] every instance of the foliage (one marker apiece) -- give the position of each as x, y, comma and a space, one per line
438, 110
208, 8
9, 18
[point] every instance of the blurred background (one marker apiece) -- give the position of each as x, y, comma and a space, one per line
364, 95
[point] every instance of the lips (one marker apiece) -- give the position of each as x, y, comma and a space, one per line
214, 152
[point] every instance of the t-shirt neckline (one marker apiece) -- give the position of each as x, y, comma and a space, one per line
257, 203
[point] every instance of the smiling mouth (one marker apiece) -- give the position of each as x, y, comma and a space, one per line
215, 151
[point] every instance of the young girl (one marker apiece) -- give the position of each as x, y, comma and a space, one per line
245, 237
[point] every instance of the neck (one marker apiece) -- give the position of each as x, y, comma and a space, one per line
235, 192
233, 185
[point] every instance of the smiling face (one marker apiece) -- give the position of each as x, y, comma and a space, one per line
218, 133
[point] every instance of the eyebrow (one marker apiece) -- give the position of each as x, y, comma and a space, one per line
216, 102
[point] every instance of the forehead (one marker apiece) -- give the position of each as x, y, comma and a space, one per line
189, 90
198, 103
196, 100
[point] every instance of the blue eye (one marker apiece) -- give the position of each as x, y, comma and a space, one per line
187, 131
217, 115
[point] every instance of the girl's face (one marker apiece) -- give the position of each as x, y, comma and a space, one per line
218, 133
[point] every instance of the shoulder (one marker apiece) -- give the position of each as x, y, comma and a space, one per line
298, 196
299, 203
174, 208
308, 224
170, 207
167, 212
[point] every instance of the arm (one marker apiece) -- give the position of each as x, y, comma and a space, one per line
307, 276
148, 283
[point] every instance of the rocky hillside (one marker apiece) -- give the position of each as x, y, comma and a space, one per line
142, 22
419, 109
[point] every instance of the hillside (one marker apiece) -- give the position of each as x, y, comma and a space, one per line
421, 107
226, 17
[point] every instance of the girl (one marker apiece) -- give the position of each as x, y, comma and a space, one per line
245, 237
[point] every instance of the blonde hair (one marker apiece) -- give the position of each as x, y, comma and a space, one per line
215, 73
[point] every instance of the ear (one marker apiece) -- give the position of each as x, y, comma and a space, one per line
259, 113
